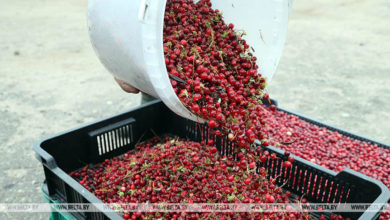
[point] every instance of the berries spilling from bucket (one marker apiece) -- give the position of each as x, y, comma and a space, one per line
221, 82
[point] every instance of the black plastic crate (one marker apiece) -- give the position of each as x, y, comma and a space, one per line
94, 142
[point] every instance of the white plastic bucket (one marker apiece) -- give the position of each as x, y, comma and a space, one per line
127, 36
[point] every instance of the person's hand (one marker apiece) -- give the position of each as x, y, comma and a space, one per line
126, 87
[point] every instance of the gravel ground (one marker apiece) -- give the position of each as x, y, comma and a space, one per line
335, 68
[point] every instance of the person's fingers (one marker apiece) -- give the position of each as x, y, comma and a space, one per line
126, 87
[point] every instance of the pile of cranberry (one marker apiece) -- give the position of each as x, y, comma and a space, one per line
179, 171
327, 148
221, 79
220, 82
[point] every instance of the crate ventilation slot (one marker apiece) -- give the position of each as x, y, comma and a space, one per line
112, 137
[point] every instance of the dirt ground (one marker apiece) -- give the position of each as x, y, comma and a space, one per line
335, 68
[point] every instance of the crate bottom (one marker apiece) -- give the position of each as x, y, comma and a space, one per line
55, 215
